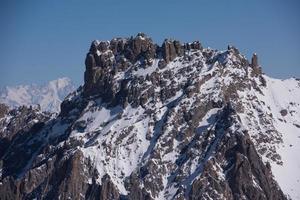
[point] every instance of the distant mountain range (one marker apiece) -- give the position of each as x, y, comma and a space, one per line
49, 96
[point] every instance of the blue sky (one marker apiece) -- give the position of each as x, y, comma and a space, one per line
44, 40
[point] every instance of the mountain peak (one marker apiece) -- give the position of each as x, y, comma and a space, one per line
48, 95
176, 121
112, 66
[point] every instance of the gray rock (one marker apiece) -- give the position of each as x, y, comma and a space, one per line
170, 49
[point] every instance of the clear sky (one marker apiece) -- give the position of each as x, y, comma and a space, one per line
44, 40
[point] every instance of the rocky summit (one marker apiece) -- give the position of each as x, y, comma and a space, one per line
171, 121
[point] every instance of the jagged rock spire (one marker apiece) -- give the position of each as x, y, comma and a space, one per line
171, 49
254, 60
255, 65
105, 58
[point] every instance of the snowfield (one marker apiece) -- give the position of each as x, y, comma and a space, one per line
285, 95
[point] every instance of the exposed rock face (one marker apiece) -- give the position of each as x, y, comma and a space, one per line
108, 190
173, 48
172, 122
170, 50
106, 58
243, 168
238, 157
61, 177
254, 60
141, 47
255, 65
18, 124
3, 110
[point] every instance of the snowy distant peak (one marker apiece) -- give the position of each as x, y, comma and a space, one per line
61, 83
48, 95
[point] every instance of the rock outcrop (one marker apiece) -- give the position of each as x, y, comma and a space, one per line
105, 59
255, 65
3, 110
171, 49
176, 121
246, 176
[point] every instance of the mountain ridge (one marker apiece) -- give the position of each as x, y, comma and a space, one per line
176, 121
48, 95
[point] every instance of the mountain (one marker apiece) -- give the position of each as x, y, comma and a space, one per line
176, 121
49, 96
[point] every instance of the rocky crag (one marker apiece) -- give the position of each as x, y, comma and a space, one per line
176, 121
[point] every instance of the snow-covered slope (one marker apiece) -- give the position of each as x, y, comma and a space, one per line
172, 122
49, 96
282, 101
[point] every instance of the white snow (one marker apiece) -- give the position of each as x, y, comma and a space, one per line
279, 95
49, 96
148, 70
121, 154
115, 138
118, 151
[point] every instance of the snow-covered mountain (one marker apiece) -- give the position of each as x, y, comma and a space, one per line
49, 96
176, 121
